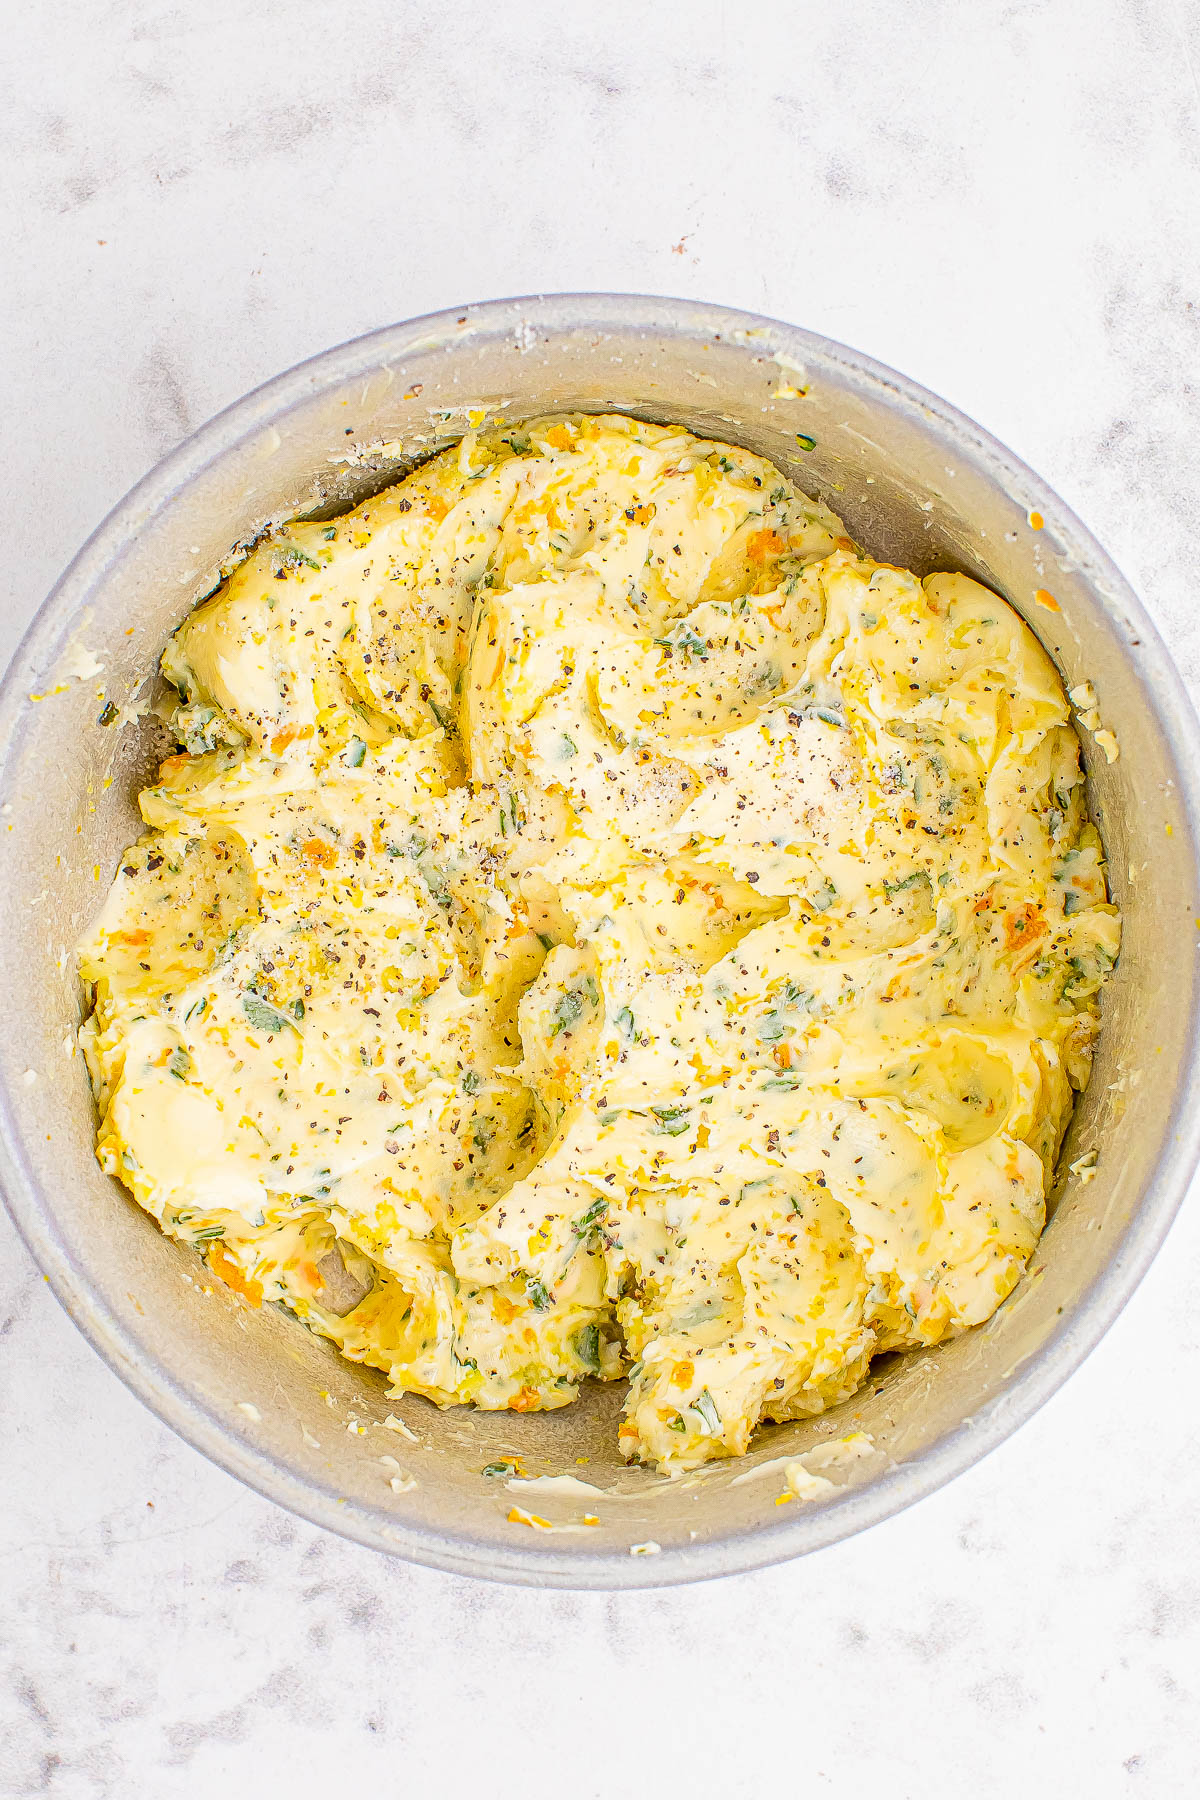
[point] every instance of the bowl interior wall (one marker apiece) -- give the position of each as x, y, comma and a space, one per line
917, 492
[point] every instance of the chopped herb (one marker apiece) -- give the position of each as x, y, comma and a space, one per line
586, 1345
107, 714
179, 1064
538, 1294
677, 1424
588, 1219
910, 881
209, 1234
483, 1130
261, 1014
196, 1008
625, 1023
687, 640
329, 533
706, 1406
436, 884
788, 1080
569, 747
508, 814
763, 679
469, 1081
504, 1467
298, 1009
291, 556
805, 442
673, 1120
568, 1009
356, 753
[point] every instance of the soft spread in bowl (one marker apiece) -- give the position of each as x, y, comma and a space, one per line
602, 923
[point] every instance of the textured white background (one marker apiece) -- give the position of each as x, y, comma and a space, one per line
1002, 200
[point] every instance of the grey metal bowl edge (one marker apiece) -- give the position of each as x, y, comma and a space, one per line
716, 370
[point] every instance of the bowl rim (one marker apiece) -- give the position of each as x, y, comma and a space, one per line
539, 1563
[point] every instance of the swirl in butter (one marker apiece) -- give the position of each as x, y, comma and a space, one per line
602, 923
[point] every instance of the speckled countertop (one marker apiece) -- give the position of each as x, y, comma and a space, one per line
1003, 201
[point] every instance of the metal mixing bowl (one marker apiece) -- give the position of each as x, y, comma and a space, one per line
921, 486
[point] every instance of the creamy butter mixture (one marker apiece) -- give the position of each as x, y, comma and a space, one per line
601, 923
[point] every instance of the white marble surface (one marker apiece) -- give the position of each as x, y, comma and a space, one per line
1004, 201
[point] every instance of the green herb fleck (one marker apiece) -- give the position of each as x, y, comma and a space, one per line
586, 1345
673, 1120
706, 1406
483, 1130
291, 556
590, 1217
687, 640
261, 1014
910, 881
568, 1010
538, 1294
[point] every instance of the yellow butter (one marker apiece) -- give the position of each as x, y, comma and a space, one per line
601, 923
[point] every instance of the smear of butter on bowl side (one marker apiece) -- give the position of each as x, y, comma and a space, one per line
1087, 708
802, 1473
